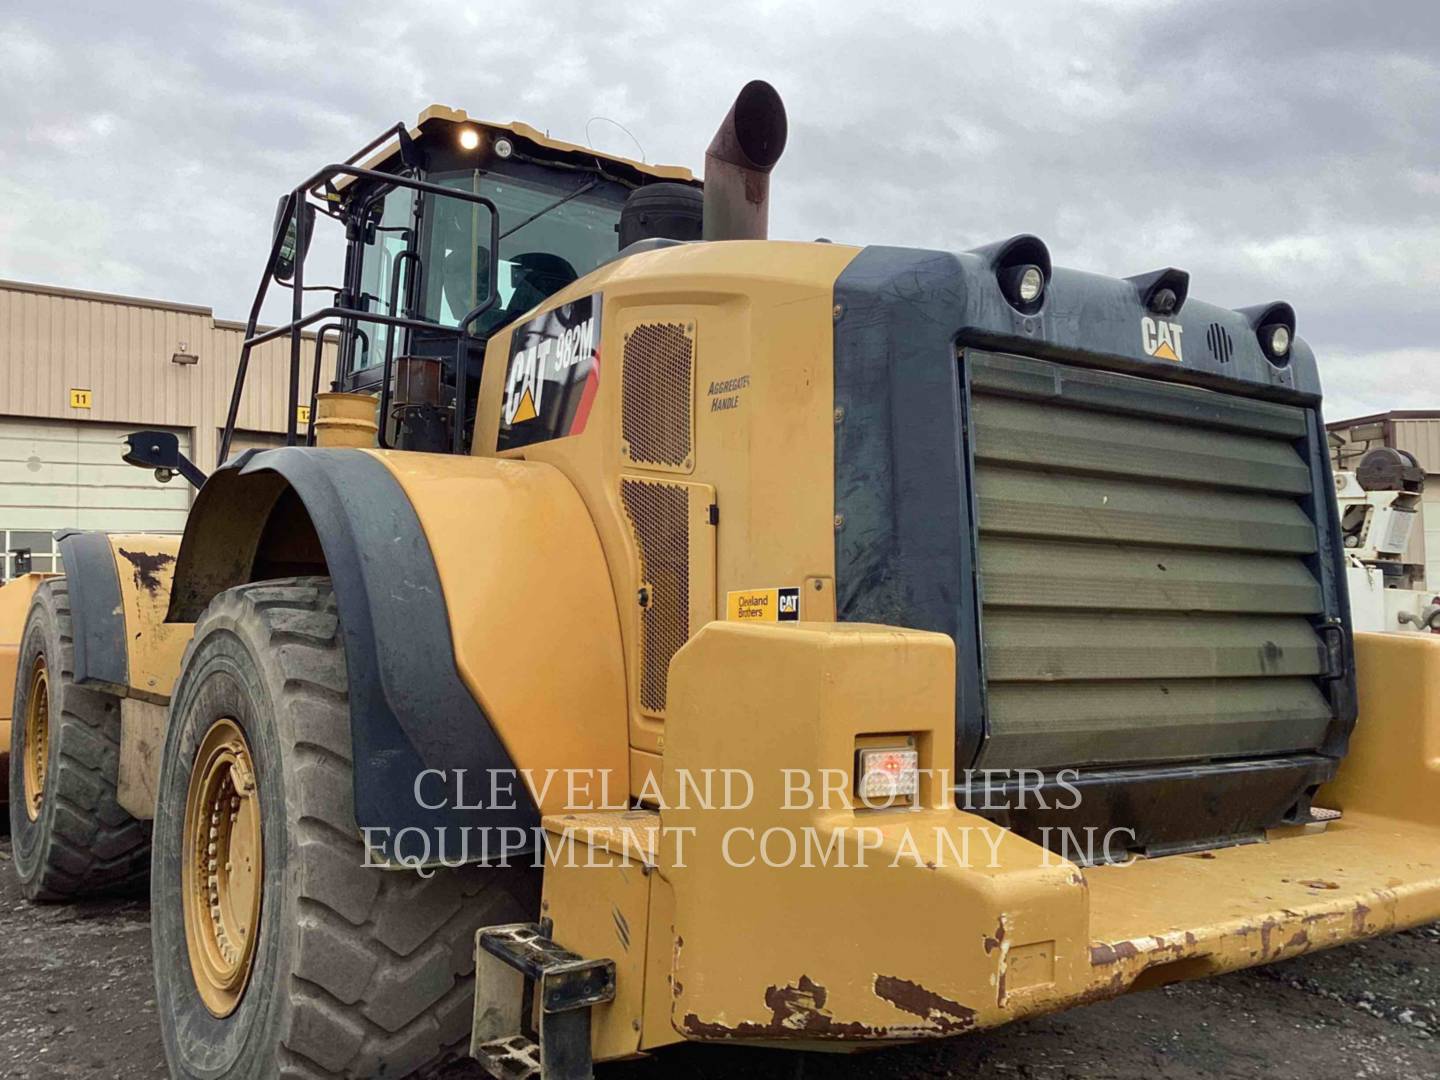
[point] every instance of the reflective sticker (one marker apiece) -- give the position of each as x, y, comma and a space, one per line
763, 605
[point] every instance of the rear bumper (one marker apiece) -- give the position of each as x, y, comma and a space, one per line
897, 940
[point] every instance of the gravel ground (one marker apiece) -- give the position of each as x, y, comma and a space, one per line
77, 1000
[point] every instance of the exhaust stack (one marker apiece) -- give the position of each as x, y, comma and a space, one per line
738, 163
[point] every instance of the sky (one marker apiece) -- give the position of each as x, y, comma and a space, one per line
1275, 149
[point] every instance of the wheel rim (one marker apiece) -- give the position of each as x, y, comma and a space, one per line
37, 738
222, 867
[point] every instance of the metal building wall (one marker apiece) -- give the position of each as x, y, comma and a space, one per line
119, 348
1422, 438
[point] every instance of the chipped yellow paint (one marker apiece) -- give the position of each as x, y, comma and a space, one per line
145, 567
912, 945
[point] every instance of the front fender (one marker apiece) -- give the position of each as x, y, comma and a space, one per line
459, 581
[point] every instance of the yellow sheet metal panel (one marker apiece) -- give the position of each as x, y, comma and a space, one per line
597, 893
1187, 916
1393, 765
533, 617
887, 937
827, 952
145, 566
763, 421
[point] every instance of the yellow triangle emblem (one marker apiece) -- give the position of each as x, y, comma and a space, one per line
525, 410
1164, 352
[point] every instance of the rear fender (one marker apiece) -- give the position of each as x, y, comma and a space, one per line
463, 585
119, 593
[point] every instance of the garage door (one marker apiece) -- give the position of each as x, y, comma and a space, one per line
252, 440
68, 475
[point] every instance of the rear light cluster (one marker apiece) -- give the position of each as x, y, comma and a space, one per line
886, 774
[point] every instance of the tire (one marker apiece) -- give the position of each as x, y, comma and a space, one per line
356, 971
81, 842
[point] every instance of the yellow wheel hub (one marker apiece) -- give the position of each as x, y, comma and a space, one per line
37, 738
222, 867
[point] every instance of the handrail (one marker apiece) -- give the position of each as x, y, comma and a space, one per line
294, 209
402, 258
339, 328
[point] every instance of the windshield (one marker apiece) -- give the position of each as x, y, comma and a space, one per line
551, 233
554, 228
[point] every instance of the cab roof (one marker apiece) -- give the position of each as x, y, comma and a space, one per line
637, 171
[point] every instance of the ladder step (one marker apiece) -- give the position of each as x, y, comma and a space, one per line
513, 1058
566, 981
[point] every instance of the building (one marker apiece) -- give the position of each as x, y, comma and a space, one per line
78, 370
1415, 431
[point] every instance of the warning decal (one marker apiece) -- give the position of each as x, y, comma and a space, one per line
552, 376
764, 605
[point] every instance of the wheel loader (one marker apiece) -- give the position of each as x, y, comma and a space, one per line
659, 632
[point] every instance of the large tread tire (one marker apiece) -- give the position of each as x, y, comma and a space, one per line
358, 971
83, 843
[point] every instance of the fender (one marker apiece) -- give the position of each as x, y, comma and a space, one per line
119, 594
460, 581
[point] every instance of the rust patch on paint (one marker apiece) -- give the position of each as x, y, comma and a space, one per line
1105, 954
993, 942
147, 567
947, 1016
797, 1010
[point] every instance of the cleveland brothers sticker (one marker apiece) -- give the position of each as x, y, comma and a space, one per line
553, 374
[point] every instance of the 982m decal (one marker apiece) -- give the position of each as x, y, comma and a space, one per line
552, 376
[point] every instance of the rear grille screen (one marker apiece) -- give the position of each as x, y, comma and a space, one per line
1145, 594
660, 515
657, 415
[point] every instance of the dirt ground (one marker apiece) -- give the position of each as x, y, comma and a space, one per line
77, 1000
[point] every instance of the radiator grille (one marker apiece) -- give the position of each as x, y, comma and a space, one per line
1145, 593
658, 394
660, 515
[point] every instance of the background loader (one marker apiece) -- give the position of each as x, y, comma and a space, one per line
609, 486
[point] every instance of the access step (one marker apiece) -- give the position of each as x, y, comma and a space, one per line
532, 1004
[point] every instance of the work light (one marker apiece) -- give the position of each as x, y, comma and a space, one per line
1023, 284
1276, 339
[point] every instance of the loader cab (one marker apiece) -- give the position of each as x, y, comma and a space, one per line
453, 228
427, 255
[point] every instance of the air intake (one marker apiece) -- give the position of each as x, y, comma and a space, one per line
659, 513
657, 408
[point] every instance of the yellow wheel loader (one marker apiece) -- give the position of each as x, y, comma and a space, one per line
663, 633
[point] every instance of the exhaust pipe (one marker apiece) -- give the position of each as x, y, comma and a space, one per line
738, 163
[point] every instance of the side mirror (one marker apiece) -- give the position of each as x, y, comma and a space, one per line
290, 251
160, 450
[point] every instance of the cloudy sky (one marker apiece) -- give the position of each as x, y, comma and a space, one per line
1276, 149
